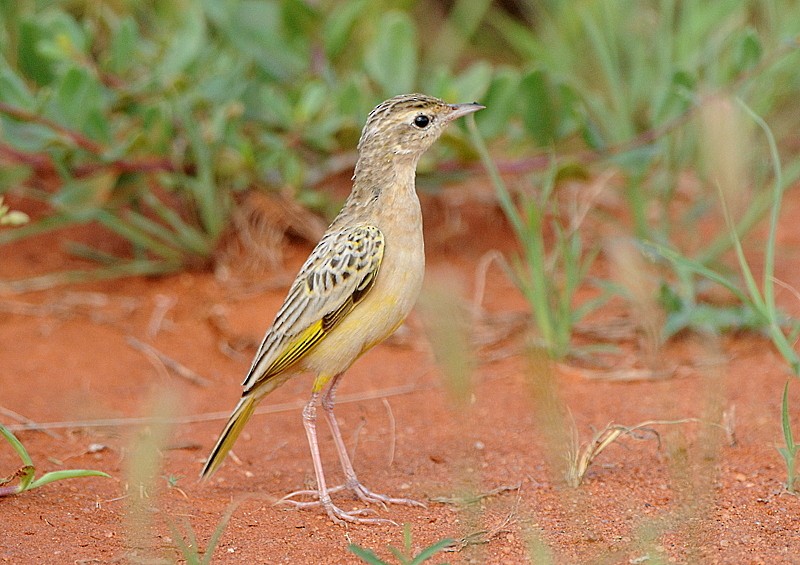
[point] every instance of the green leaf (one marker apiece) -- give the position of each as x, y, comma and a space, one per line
191, 238
537, 107
339, 24
471, 84
747, 52
12, 176
678, 97
299, 18
122, 50
685, 263
63, 38
78, 97
136, 236
212, 204
638, 159
30, 61
312, 99
391, 59
185, 45
256, 29
499, 100
79, 197
271, 105
13, 89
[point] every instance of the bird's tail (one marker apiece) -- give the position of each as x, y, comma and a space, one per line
228, 436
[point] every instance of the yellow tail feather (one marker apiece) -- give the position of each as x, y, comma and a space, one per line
228, 436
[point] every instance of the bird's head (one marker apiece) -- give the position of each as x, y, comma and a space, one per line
407, 125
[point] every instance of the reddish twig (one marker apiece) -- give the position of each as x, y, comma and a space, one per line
77, 138
43, 163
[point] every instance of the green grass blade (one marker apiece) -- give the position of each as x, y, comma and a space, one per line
136, 236
152, 228
190, 238
127, 269
685, 263
751, 216
366, 555
35, 228
202, 187
789, 451
756, 299
213, 541
399, 555
17, 445
432, 550
53, 476
188, 550
788, 436
503, 195
602, 45
777, 197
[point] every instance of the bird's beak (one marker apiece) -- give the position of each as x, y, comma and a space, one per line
458, 110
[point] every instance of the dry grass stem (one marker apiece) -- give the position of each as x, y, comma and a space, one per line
581, 457
585, 200
485, 536
163, 304
472, 499
481, 272
214, 416
641, 285
261, 224
29, 424
164, 362
229, 342
626, 374
97, 307
392, 430
729, 425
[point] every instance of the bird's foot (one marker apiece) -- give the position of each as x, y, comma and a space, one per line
366, 495
334, 512
289, 498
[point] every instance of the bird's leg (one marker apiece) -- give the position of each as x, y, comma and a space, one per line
336, 514
351, 481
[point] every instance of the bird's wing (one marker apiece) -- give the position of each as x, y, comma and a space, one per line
340, 271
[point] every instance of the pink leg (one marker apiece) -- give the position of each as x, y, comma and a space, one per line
351, 481
323, 493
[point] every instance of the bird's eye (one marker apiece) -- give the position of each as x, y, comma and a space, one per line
422, 121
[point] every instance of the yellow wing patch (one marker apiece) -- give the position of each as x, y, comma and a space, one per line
331, 283
296, 350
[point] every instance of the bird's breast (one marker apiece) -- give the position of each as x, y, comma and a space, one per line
386, 305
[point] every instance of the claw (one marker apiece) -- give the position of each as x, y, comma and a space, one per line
340, 516
354, 516
307, 492
334, 512
366, 495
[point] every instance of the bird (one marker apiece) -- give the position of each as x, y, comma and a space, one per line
355, 289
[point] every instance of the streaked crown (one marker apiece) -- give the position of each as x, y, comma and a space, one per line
408, 124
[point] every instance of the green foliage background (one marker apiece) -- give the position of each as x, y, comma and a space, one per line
152, 116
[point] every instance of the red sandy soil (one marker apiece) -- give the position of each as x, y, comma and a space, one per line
692, 497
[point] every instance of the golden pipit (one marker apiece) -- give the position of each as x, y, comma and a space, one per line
354, 290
